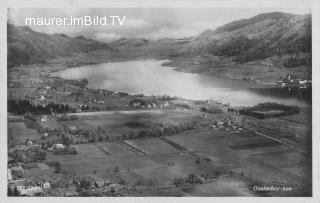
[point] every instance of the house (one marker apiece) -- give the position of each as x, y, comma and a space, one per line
136, 104
303, 82
73, 129
46, 185
42, 97
44, 118
58, 146
29, 143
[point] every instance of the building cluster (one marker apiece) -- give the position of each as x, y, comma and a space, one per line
228, 124
17, 186
161, 105
291, 81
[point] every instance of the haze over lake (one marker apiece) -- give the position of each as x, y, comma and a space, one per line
150, 77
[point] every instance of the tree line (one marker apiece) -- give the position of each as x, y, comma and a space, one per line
25, 106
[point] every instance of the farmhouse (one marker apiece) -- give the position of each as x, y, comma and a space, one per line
73, 129
44, 118
58, 146
46, 185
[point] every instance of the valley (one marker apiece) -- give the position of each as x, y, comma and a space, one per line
139, 117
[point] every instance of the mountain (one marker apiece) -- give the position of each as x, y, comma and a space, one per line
130, 42
255, 38
242, 40
26, 46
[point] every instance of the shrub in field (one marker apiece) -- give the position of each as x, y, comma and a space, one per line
56, 165
122, 182
212, 109
116, 169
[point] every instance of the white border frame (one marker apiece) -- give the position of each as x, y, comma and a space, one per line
314, 4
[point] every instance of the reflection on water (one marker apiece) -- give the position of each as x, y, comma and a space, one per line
151, 78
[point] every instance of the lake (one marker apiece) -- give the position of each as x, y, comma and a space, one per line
150, 77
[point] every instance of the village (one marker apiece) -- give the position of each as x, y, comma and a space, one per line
291, 82
57, 127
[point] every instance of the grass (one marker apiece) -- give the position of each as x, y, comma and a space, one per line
255, 160
18, 132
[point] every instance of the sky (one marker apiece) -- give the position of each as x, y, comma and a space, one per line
150, 23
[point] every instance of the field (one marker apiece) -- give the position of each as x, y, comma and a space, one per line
19, 132
121, 122
231, 161
232, 155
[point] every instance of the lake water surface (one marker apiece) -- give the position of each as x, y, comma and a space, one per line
150, 77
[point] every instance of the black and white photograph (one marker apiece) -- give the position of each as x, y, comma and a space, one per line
159, 101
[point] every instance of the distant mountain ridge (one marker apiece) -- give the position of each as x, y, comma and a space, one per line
254, 38
26, 46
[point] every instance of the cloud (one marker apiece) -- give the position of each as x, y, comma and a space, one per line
165, 32
136, 23
153, 23
106, 37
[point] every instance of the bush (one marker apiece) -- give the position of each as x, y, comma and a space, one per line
116, 169
212, 109
56, 165
122, 182
86, 182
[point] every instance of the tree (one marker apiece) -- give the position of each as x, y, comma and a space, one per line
198, 160
86, 182
122, 182
192, 178
66, 140
116, 169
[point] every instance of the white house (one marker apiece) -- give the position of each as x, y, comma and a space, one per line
46, 185
58, 146
44, 118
